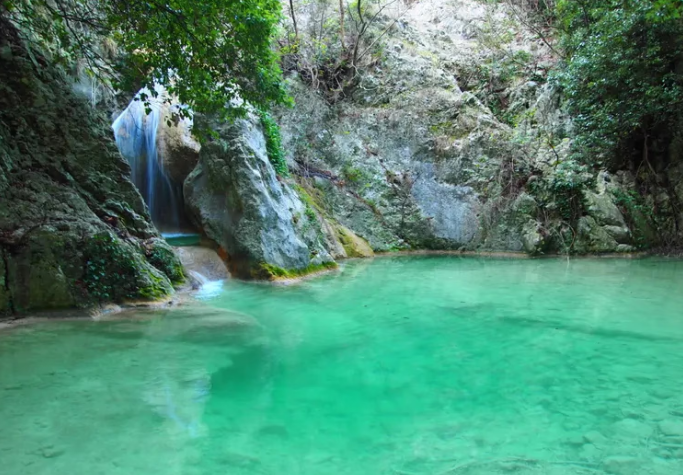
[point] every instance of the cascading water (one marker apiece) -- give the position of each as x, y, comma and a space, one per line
136, 137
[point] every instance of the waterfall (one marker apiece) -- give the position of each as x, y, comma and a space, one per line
136, 137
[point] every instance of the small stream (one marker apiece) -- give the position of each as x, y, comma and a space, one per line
397, 366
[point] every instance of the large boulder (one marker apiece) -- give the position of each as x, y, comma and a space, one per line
601, 207
593, 238
236, 198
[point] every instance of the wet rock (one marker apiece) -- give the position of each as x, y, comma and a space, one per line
178, 149
204, 261
68, 184
622, 465
354, 246
632, 428
594, 437
625, 248
672, 428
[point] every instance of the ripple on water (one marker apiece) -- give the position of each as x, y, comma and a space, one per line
430, 365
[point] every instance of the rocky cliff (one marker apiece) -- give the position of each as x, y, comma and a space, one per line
451, 135
235, 197
73, 228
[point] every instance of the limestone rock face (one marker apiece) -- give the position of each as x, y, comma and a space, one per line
602, 208
409, 157
353, 245
430, 147
178, 149
236, 198
67, 206
593, 238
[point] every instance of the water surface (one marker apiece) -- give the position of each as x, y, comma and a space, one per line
406, 366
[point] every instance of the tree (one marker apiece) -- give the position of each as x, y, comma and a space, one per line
207, 53
622, 76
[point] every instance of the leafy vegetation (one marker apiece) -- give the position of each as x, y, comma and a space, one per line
274, 143
161, 256
562, 190
622, 75
207, 53
115, 272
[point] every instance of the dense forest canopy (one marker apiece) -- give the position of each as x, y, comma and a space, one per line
623, 74
207, 53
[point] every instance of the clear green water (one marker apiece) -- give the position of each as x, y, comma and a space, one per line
401, 366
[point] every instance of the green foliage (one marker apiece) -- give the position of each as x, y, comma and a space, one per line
561, 191
640, 216
114, 272
207, 53
161, 256
621, 75
310, 214
352, 174
274, 143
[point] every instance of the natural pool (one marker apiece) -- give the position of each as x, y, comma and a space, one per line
406, 366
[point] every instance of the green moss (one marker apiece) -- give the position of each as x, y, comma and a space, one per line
161, 256
307, 198
115, 272
352, 174
271, 272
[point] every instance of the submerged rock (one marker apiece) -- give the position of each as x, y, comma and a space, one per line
622, 465
204, 261
671, 428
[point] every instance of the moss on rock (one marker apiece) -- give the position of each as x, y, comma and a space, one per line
593, 238
160, 254
72, 224
267, 271
354, 246
115, 271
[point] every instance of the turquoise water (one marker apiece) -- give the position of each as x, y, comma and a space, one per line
401, 366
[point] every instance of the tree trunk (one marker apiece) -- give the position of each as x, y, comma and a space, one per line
341, 24
291, 12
